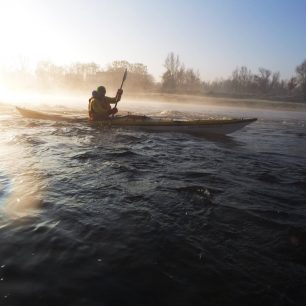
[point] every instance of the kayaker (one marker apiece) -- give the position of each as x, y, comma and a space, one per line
99, 106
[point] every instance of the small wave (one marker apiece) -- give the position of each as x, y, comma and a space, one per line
198, 191
5, 186
45, 226
196, 174
34, 141
126, 153
127, 138
86, 156
269, 178
35, 123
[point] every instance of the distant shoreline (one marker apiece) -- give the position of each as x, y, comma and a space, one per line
222, 101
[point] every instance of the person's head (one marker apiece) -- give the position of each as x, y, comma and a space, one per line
95, 94
101, 91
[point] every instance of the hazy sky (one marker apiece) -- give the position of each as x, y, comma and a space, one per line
213, 36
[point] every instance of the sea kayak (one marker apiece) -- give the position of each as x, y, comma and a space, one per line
145, 123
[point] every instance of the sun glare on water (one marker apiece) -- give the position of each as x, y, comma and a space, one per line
20, 187
20, 184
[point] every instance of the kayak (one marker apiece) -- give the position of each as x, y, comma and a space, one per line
145, 123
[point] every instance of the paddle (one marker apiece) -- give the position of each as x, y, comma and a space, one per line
123, 80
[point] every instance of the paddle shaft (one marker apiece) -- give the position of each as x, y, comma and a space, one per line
123, 79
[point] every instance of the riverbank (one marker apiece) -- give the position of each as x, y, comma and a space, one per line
220, 101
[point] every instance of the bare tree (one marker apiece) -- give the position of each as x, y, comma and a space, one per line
274, 84
292, 83
192, 81
119, 66
263, 79
169, 78
301, 76
181, 76
172, 64
241, 79
178, 79
138, 79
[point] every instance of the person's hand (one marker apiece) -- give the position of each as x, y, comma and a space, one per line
114, 111
119, 94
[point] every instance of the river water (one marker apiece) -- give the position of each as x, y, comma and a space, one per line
119, 217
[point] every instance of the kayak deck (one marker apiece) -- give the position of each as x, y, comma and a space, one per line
145, 123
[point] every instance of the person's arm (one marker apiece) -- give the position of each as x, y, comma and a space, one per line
116, 99
111, 100
119, 94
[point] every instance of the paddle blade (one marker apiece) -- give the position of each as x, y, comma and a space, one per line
125, 75
124, 78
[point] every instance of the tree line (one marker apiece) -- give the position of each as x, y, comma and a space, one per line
48, 76
86, 76
264, 83
176, 79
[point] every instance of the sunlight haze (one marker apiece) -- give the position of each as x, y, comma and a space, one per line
213, 37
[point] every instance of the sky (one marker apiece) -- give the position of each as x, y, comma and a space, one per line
211, 36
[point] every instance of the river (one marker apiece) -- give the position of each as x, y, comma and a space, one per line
119, 217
